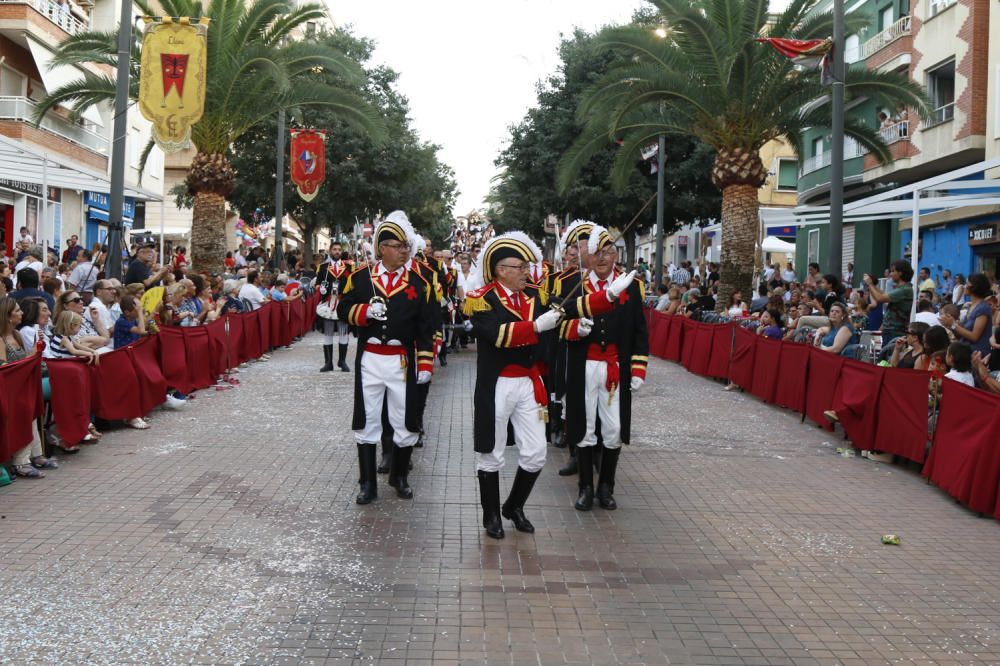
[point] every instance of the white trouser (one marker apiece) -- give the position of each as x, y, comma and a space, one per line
383, 378
332, 326
514, 401
32, 450
596, 401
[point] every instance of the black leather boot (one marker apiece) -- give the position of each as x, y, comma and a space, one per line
369, 483
489, 497
513, 508
585, 455
341, 358
398, 471
385, 464
328, 357
606, 484
598, 453
571, 467
556, 433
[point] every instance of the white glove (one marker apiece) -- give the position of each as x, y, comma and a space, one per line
637, 383
322, 289
424, 377
585, 326
377, 311
620, 284
547, 321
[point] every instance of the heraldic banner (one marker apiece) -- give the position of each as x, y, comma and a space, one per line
308, 163
173, 77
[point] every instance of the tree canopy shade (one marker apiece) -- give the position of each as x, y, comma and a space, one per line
525, 192
364, 177
707, 77
255, 68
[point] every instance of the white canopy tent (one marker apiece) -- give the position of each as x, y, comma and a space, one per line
775, 244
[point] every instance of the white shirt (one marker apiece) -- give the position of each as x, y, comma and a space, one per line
768, 274
928, 318
964, 377
788, 276
241, 261
84, 276
465, 282
26, 238
252, 294
106, 318
31, 262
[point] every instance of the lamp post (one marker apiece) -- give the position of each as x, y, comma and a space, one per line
279, 192
837, 150
661, 161
113, 262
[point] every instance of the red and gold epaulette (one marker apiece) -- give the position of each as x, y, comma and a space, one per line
475, 301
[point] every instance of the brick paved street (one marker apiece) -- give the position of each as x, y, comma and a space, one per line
228, 533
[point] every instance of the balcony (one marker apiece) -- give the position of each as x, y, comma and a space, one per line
938, 6
899, 131
22, 109
942, 114
57, 14
852, 149
900, 28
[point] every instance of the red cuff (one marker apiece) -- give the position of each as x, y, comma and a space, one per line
573, 330
425, 366
523, 333
639, 371
599, 304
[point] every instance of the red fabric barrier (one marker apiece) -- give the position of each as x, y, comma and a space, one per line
21, 403
237, 344
264, 330
219, 343
198, 351
790, 391
766, 366
297, 319
824, 374
173, 358
659, 330
278, 316
856, 401
116, 394
722, 343
741, 364
251, 335
963, 460
71, 392
145, 362
689, 332
675, 338
701, 351
902, 414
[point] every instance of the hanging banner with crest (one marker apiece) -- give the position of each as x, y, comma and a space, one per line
308, 163
173, 77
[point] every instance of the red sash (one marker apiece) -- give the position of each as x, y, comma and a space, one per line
517, 371
609, 356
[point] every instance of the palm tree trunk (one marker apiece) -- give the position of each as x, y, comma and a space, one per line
740, 219
208, 233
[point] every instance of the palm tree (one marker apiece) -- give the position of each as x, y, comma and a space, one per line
702, 73
254, 69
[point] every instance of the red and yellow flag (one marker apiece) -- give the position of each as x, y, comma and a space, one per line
308, 161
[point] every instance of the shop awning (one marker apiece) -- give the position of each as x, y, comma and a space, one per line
21, 163
773, 244
58, 76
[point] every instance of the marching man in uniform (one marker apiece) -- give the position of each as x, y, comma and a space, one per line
329, 279
607, 359
392, 310
508, 317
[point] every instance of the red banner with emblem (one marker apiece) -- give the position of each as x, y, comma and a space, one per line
308, 161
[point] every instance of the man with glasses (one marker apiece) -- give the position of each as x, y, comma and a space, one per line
510, 318
99, 310
607, 361
392, 308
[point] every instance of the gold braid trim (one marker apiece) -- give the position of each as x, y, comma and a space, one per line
475, 304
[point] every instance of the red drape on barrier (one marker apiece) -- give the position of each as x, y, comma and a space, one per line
265, 342
963, 460
701, 351
902, 414
722, 343
219, 344
675, 338
766, 367
689, 332
856, 401
741, 364
297, 319
278, 316
198, 350
71, 392
145, 362
173, 358
117, 393
824, 373
21, 403
659, 330
251, 342
790, 390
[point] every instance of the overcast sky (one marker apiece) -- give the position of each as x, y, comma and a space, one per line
469, 67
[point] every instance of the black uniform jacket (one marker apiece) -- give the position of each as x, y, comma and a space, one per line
506, 337
410, 320
329, 275
560, 285
624, 327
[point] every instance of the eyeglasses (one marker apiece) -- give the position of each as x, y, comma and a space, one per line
78, 299
516, 267
397, 246
608, 252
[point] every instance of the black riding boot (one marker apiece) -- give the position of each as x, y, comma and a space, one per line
571, 467
399, 470
489, 497
328, 357
385, 464
369, 483
513, 508
606, 484
556, 433
585, 454
341, 358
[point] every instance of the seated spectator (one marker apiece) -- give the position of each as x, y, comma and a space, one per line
231, 299
975, 328
99, 314
61, 345
776, 300
693, 308
32, 259
277, 291
907, 350
34, 322
838, 333
981, 370
935, 346
251, 293
829, 290
190, 304
663, 298
759, 303
770, 325
131, 325
27, 287
168, 312
53, 287
959, 360
737, 308
87, 335
925, 312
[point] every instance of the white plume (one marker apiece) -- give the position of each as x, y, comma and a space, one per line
573, 225
595, 238
399, 218
515, 235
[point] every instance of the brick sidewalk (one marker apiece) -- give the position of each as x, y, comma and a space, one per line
228, 533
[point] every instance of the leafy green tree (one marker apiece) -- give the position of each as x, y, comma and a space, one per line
526, 191
364, 177
252, 63
709, 78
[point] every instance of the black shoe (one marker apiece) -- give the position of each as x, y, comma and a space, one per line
420, 438
606, 485
341, 358
369, 483
585, 456
489, 497
385, 464
397, 474
513, 508
444, 361
571, 468
328, 357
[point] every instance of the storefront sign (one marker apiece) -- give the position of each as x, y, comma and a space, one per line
102, 201
31, 189
983, 234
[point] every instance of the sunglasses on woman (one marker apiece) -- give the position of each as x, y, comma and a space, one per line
78, 299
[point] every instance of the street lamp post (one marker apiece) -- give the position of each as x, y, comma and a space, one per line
837, 150
661, 163
113, 263
279, 192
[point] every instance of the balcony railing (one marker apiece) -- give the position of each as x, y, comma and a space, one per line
900, 28
943, 113
938, 6
852, 149
899, 131
22, 108
53, 11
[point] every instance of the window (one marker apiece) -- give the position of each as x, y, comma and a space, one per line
941, 90
852, 49
938, 6
885, 19
817, 147
813, 249
11, 83
310, 28
788, 174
